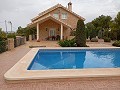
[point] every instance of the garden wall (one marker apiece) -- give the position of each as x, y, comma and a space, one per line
11, 43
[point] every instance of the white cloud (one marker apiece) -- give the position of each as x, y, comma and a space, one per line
20, 12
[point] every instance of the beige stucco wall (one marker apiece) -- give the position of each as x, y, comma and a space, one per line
66, 33
71, 19
51, 24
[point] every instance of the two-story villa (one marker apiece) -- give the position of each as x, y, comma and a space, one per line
56, 22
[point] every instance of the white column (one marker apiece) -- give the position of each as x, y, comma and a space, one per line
38, 32
61, 37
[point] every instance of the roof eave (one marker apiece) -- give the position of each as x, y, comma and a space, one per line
49, 16
53, 8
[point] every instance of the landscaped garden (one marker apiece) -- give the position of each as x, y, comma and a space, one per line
103, 27
3, 43
9, 41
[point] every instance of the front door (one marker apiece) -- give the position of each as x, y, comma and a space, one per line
52, 32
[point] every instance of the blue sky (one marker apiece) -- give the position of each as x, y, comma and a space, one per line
19, 12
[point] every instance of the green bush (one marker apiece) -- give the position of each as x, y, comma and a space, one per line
11, 36
106, 39
67, 43
2, 35
116, 43
3, 46
1, 39
94, 40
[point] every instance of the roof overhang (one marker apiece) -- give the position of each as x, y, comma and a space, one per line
49, 17
55, 7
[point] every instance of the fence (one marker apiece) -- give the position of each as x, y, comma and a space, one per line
19, 41
3, 46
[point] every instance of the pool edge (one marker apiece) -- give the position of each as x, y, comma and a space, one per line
18, 73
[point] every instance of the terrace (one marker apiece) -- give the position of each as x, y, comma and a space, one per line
9, 58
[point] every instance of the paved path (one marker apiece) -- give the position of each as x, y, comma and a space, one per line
8, 59
101, 43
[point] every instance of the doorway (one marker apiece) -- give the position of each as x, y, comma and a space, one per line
52, 32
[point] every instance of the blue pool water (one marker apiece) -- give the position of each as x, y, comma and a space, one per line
76, 59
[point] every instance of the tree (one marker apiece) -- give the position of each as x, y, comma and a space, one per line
100, 34
115, 28
91, 30
102, 23
87, 33
117, 24
80, 34
26, 31
2, 34
20, 31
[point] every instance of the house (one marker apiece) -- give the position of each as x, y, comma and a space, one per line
55, 23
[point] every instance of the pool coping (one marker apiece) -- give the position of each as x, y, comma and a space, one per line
19, 70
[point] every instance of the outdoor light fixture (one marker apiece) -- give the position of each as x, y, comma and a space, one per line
10, 24
46, 29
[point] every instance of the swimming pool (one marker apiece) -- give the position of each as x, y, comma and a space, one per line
58, 62
75, 59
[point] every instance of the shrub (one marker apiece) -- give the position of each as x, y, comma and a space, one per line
3, 46
2, 36
106, 39
11, 36
1, 39
80, 34
94, 40
67, 43
116, 43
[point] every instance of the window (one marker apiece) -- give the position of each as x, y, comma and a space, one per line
56, 15
64, 15
52, 32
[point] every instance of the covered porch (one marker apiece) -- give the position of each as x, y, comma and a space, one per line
50, 28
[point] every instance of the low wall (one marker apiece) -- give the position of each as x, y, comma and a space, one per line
11, 43
19, 41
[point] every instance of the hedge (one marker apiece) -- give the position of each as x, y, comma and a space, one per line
3, 46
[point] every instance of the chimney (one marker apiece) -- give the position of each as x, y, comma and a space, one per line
70, 6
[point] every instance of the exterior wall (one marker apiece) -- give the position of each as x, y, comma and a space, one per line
71, 19
66, 33
50, 24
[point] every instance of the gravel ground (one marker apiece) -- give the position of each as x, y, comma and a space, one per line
8, 59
